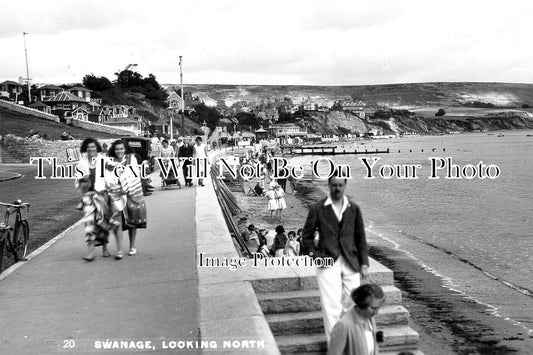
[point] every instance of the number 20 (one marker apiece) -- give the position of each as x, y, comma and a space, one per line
69, 344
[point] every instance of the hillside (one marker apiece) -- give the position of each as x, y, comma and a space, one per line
20, 125
401, 121
149, 109
506, 95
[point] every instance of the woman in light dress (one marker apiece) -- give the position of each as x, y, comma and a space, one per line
101, 205
293, 246
272, 205
166, 151
280, 200
199, 152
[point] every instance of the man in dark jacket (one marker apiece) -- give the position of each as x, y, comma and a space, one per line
186, 152
339, 223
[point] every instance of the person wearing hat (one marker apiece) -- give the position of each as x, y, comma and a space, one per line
179, 144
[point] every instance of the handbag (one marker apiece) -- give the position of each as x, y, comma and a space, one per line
135, 213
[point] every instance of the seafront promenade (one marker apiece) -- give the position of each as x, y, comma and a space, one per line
159, 299
58, 303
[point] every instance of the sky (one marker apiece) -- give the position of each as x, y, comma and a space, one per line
288, 42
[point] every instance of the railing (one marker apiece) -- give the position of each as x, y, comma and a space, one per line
230, 208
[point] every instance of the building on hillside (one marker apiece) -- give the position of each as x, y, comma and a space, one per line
41, 106
308, 105
286, 130
356, 107
118, 111
64, 103
285, 108
268, 114
80, 113
93, 106
162, 125
174, 101
81, 92
47, 92
99, 116
95, 97
11, 89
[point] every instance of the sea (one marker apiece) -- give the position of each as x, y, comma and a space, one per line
475, 234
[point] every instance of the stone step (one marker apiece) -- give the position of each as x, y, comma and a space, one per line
413, 351
309, 300
6, 157
394, 340
378, 274
312, 322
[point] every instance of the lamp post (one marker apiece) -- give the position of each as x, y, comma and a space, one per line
27, 70
182, 100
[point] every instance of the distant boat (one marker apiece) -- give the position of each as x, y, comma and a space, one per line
501, 135
490, 134
529, 135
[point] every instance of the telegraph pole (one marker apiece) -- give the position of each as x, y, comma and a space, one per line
182, 101
27, 70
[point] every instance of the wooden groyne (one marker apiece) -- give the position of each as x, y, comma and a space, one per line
343, 151
331, 151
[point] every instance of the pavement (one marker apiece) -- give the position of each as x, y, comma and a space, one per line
57, 302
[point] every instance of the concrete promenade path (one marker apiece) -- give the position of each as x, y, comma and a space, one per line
58, 303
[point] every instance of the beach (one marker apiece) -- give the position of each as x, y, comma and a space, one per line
457, 303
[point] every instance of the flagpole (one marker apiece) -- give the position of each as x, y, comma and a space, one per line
27, 70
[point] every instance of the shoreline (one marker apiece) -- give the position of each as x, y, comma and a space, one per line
448, 323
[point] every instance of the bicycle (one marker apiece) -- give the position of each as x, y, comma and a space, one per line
14, 245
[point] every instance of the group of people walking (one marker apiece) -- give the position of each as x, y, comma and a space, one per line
185, 150
112, 202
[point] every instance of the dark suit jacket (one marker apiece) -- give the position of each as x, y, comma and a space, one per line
185, 151
346, 238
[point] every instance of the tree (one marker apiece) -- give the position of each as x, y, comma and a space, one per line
210, 115
148, 86
92, 82
440, 112
247, 119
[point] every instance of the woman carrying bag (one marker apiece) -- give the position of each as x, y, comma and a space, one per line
134, 214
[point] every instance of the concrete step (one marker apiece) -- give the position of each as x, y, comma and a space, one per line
309, 300
413, 351
316, 342
312, 322
378, 275
6, 157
